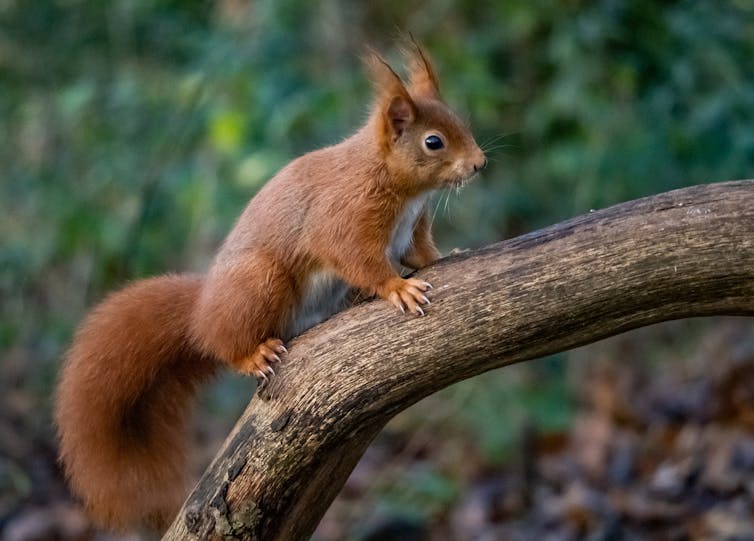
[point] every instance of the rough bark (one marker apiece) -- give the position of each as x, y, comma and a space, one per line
680, 254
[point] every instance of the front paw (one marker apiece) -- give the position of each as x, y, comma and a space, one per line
407, 294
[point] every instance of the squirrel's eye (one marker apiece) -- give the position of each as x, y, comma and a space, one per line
433, 142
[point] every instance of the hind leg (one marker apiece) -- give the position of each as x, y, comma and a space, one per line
242, 309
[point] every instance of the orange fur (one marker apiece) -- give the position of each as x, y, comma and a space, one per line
339, 217
122, 400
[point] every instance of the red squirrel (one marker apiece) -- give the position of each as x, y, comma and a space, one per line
345, 216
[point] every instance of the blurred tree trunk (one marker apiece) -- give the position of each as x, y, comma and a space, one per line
680, 254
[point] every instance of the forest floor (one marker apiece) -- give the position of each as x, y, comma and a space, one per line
653, 450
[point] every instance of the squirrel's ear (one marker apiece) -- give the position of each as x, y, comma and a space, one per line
394, 103
422, 77
399, 114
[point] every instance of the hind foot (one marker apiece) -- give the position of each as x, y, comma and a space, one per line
259, 363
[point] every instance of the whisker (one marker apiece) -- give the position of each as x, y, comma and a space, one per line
434, 213
499, 149
498, 137
495, 143
499, 146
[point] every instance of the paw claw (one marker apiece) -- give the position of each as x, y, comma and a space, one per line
258, 363
407, 294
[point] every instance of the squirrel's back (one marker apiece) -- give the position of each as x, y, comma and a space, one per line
115, 467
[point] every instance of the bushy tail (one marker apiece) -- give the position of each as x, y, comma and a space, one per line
122, 403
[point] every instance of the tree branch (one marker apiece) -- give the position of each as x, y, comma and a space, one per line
680, 254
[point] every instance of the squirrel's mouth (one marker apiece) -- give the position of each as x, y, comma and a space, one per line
462, 181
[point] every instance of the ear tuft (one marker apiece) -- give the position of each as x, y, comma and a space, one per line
384, 79
393, 102
422, 76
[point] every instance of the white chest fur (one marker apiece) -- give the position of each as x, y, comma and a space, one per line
403, 232
324, 294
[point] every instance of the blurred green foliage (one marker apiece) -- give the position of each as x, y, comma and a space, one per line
132, 132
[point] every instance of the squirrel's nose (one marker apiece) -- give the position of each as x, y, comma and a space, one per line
479, 166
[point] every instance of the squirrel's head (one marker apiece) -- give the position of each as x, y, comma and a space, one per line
423, 142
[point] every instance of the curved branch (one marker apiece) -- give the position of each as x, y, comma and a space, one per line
684, 253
